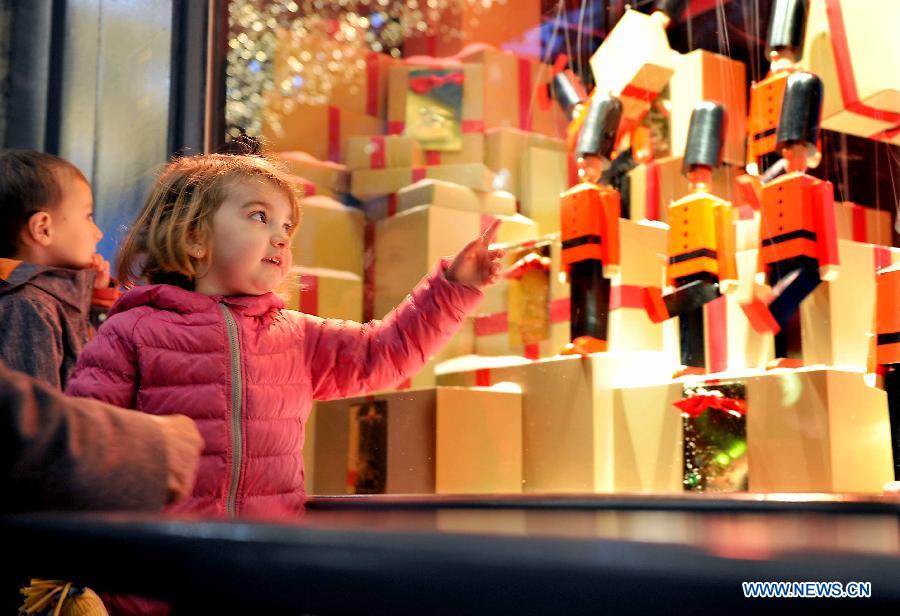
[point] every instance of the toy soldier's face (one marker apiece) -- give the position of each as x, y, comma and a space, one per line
796, 156
590, 168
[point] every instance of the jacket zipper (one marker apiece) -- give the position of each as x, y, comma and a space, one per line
236, 395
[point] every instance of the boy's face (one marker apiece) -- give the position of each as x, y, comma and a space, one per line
251, 241
73, 235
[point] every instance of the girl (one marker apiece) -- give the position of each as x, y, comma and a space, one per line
208, 338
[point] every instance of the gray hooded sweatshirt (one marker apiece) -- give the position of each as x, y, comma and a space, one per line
45, 315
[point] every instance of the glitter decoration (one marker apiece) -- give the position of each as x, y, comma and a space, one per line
342, 33
715, 437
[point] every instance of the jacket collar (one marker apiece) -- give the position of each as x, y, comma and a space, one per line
70, 286
176, 299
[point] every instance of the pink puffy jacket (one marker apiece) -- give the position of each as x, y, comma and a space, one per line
247, 372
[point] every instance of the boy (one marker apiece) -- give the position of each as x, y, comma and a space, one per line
50, 273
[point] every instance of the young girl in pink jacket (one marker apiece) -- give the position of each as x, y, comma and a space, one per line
206, 337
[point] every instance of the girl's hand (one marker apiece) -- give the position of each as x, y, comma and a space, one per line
101, 266
476, 265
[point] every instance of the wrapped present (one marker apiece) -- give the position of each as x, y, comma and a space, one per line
647, 441
472, 120
863, 224
330, 294
407, 246
504, 149
533, 319
817, 430
471, 151
520, 79
383, 151
358, 82
569, 418
317, 177
368, 184
454, 196
714, 436
324, 224
544, 174
319, 130
806, 430
702, 75
655, 184
459, 23
634, 63
395, 443
479, 441
854, 52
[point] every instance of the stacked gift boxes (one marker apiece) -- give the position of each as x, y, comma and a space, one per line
435, 440
612, 421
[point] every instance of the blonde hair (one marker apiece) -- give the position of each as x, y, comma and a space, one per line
179, 211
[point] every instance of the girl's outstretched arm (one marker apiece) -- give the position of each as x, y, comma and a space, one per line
348, 359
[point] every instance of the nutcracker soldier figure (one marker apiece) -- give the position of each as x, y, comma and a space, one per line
701, 263
784, 44
589, 220
798, 241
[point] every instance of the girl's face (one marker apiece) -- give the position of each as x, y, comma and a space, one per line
251, 241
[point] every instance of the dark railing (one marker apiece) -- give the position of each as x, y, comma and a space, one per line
467, 555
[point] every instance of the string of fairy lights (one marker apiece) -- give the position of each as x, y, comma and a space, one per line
322, 44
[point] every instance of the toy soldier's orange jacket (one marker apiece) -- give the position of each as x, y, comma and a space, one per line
701, 238
887, 317
589, 216
766, 97
797, 219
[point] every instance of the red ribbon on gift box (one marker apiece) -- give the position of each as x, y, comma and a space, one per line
696, 405
633, 91
377, 152
425, 83
372, 78
525, 93
651, 191
846, 78
717, 334
882, 257
860, 230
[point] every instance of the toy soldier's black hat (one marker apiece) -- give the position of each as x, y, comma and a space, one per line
787, 25
601, 123
800, 111
568, 91
706, 136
